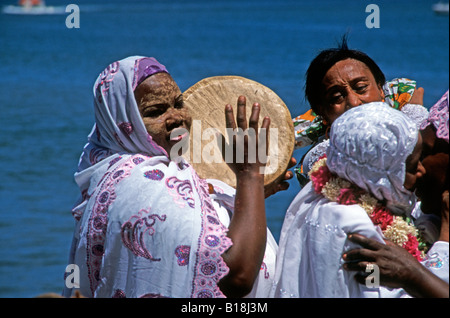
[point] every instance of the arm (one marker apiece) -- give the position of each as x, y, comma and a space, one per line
398, 268
282, 183
248, 226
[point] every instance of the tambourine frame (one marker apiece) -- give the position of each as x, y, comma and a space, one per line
206, 102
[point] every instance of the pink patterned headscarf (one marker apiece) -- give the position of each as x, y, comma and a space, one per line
118, 124
146, 67
439, 117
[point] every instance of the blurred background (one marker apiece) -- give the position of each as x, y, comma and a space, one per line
49, 69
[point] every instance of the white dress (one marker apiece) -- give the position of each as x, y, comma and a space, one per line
312, 241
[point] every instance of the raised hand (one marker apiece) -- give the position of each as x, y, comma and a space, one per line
248, 227
246, 138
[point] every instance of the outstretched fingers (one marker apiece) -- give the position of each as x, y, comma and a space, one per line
229, 117
241, 116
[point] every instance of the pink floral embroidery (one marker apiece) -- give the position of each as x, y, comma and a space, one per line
98, 220
182, 253
119, 294
97, 154
107, 76
213, 242
181, 191
126, 128
266, 272
135, 228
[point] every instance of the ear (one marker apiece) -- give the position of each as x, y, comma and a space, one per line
323, 115
380, 88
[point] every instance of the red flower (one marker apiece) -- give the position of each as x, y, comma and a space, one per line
412, 246
382, 217
346, 196
320, 178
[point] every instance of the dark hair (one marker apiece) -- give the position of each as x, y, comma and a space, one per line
324, 61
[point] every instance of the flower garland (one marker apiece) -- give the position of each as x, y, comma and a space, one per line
397, 229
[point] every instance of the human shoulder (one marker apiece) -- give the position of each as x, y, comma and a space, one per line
344, 218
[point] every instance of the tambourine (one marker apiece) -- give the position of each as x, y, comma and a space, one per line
206, 102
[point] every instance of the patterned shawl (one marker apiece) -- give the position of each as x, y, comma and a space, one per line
439, 117
145, 225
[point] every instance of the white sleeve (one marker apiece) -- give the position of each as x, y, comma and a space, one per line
437, 260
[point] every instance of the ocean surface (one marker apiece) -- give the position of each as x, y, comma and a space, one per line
48, 71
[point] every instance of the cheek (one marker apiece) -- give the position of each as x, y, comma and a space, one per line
436, 167
410, 181
374, 95
155, 128
333, 112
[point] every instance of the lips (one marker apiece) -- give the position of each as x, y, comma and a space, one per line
178, 134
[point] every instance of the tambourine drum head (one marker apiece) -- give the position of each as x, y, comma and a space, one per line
206, 102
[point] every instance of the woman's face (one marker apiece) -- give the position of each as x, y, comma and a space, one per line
348, 83
160, 104
414, 168
435, 159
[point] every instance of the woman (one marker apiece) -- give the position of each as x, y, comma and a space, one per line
340, 79
363, 185
148, 226
429, 278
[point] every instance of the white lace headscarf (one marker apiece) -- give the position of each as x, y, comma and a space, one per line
369, 146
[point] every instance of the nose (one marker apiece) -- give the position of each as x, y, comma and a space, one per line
421, 171
174, 120
353, 100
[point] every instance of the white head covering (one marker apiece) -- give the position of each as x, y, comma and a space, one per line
417, 113
119, 126
369, 146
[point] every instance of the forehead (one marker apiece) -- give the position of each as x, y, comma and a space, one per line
347, 70
156, 86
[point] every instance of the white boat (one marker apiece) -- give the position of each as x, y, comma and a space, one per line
440, 8
32, 7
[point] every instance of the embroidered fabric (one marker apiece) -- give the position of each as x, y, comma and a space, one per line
417, 113
439, 117
437, 260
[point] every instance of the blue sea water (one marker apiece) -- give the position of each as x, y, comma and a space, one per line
48, 71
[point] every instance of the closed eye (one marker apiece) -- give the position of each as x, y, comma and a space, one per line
360, 89
154, 111
335, 96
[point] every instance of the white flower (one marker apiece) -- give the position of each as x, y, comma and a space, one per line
332, 189
398, 231
368, 203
